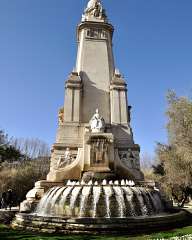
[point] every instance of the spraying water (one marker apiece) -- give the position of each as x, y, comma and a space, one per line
119, 200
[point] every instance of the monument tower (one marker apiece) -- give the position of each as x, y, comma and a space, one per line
94, 139
94, 133
95, 182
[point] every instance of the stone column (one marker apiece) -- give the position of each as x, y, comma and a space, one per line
95, 65
73, 89
119, 104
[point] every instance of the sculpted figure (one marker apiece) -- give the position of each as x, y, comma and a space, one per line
61, 116
94, 8
66, 159
125, 158
131, 157
97, 122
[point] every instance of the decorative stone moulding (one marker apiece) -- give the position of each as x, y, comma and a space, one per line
95, 183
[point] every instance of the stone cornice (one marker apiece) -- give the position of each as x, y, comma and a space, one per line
89, 24
118, 83
118, 87
74, 81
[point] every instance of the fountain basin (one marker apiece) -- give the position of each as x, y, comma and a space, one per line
100, 201
129, 225
108, 207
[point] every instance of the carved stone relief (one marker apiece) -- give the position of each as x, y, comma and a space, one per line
130, 158
99, 151
61, 116
97, 123
94, 9
96, 33
62, 160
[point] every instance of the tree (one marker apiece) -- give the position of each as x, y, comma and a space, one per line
32, 148
11, 154
175, 158
23, 162
8, 152
14, 149
22, 177
147, 162
3, 138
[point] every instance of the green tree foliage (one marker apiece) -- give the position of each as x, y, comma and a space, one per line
175, 167
21, 177
22, 163
159, 169
8, 152
147, 162
3, 138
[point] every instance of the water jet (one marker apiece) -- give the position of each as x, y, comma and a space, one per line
95, 183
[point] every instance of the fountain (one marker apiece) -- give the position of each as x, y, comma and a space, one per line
86, 200
95, 183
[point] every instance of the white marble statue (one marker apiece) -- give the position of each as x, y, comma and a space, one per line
66, 159
97, 123
94, 8
61, 116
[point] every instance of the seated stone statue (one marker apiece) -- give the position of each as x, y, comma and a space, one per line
65, 160
94, 8
97, 123
61, 116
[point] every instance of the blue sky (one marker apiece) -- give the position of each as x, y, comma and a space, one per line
152, 46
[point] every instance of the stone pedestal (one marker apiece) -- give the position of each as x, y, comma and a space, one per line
105, 148
98, 152
35, 194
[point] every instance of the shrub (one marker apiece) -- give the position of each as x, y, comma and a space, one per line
21, 178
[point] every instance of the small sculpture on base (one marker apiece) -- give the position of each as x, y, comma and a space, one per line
61, 116
97, 123
94, 10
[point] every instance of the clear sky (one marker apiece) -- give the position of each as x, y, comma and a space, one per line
153, 50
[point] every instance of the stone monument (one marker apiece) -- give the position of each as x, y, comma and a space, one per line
94, 136
95, 85
95, 183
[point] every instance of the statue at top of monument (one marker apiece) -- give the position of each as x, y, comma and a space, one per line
97, 123
95, 10
61, 116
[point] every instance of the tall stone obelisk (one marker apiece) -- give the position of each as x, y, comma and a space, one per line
94, 84
94, 137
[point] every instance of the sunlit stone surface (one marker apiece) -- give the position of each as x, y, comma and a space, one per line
95, 174
104, 200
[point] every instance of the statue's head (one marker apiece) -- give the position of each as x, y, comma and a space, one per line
93, 10
93, 4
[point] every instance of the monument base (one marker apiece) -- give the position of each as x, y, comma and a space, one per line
130, 226
34, 195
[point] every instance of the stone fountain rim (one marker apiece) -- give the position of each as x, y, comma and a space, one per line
172, 213
105, 185
67, 225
